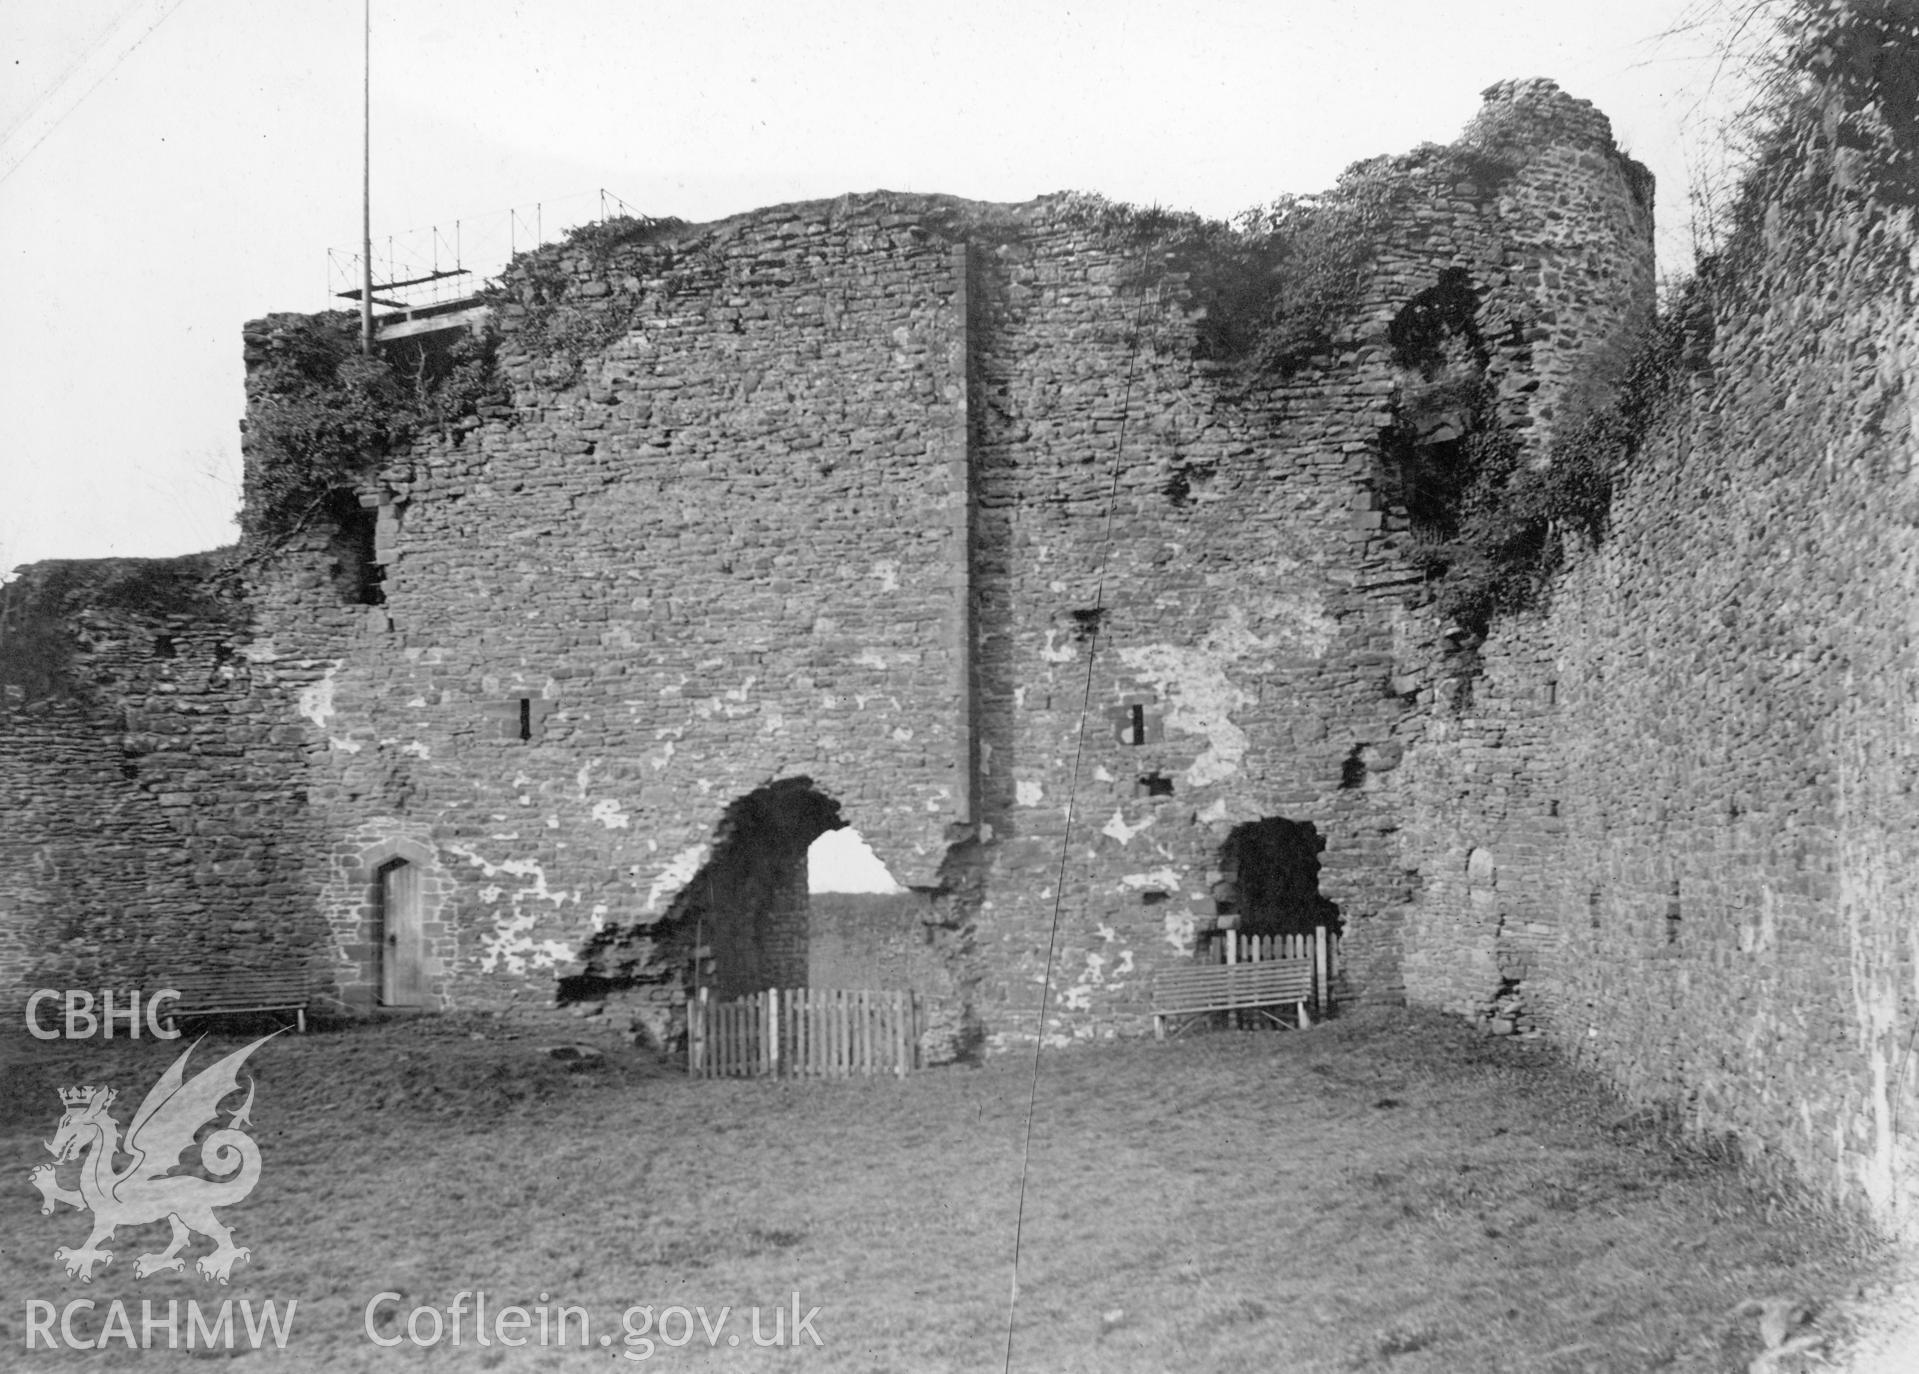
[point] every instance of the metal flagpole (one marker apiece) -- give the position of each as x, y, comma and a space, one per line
366, 179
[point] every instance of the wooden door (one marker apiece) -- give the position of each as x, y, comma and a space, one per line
401, 983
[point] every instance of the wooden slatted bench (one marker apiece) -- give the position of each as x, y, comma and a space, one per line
1259, 988
232, 992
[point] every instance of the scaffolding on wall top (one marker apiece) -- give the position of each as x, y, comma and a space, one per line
443, 263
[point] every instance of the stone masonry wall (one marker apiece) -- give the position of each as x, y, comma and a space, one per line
1256, 602
1691, 782
152, 778
877, 941
725, 552
868, 498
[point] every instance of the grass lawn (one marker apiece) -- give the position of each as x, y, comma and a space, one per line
1384, 1192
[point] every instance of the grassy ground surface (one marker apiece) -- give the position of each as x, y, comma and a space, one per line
1382, 1193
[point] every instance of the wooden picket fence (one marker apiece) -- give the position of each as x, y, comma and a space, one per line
802, 1033
1320, 950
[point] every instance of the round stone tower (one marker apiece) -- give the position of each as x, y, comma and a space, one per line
1576, 218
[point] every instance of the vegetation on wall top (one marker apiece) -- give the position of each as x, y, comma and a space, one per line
570, 301
1498, 531
1279, 284
41, 610
321, 415
1836, 117
1835, 112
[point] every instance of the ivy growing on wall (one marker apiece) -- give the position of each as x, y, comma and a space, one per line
1493, 532
1834, 112
41, 646
1836, 117
322, 416
569, 302
1276, 286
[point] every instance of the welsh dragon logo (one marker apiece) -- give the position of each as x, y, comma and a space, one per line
173, 1112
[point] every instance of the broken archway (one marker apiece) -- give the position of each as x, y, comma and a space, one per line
747, 909
738, 927
1269, 880
754, 918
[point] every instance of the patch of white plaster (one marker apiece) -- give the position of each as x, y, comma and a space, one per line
1101, 971
1180, 927
517, 868
1027, 792
1119, 830
259, 651
985, 757
1158, 880
678, 872
1079, 996
870, 658
416, 750
887, 571
609, 814
316, 698
1101, 775
509, 945
1064, 653
1200, 694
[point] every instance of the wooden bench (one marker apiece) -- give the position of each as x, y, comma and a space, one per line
232, 992
1259, 988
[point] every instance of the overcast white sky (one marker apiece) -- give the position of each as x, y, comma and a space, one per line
172, 168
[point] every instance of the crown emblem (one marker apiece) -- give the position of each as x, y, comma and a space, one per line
78, 1097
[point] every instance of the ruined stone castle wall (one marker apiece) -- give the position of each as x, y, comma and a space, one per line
151, 774
834, 505
1219, 566
1574, 276
1679, 809
726, 551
